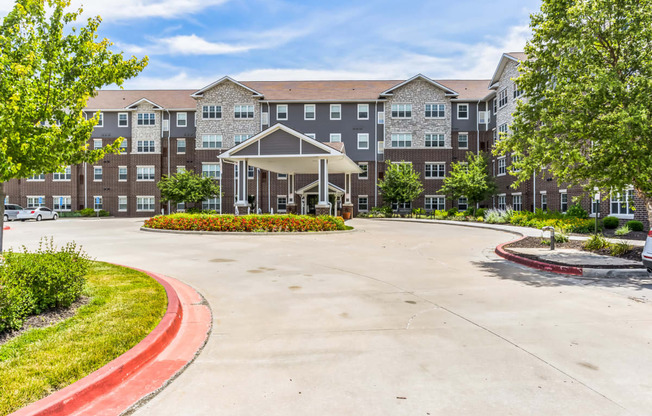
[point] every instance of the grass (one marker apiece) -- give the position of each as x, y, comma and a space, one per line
125, 306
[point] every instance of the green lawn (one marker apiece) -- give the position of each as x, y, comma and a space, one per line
125, 306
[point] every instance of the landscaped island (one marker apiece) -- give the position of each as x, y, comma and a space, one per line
246, 223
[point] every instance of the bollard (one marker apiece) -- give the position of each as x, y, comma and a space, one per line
552, 236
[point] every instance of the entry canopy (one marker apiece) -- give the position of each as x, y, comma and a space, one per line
313, 188
281, 149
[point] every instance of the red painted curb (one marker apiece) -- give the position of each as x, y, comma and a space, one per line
539, 265
6, 228
109, 378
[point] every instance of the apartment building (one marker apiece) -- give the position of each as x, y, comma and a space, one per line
428, 123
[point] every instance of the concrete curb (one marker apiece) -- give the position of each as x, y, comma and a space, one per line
6, 228
244, 233
539, 265
143, 369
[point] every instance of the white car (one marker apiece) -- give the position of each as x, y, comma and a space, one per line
646, 256
37, 213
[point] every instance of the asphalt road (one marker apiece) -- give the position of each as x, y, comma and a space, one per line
392, 319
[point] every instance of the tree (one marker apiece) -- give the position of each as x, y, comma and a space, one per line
470, 179
588, 83
401, 183
187, 187
49, 70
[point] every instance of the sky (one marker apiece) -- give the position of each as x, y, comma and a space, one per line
191, 43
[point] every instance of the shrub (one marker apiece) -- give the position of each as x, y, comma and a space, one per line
496, 216
479, 219
561, 237
69, 214
635, 225
610, 222
576, 211
596, 242
441, 215
418, 211
246, 223
452, 211
624, 230
381, 212
620, 248
87, 212
480, 212
470, 212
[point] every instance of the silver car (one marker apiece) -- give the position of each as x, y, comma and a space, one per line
37, 213
11, 211
646, 256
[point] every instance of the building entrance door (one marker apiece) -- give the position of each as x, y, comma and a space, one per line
311, 201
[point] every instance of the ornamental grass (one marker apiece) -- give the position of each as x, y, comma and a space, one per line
245, 223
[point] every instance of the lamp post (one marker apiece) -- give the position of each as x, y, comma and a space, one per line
597, 210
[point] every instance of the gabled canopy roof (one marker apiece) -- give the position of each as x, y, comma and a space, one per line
313, 188
504, 59
221, 80
447, 90
284, 150
137, 103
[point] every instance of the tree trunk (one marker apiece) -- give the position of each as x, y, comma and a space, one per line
2, 213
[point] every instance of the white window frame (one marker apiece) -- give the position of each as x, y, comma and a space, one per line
494, 106
144, 174
126, 204
95, 142
251, 172
338, 111
363, 176
364, 143
311, 135
519, 206
36, 198
361, 106
401, 138
287, 109
502, 197
438, 106
458, 140
67, 175
124, 147
150, 120
561, 200
437, 202
367, 203
281, 176
314, 112
216, 109
215, 172
277, 203
100, 122
460, 203
95, 173
144, 146
502, 98
237, 109
181, 168
126, 120
184, 119
502, 165
335, 138
543, 196
139, 202
211, 203
219, 141
126, 173
628, 201
407, 107
55, 202
39, 177
438, 141
432, 170
241, 138
459, 107
95, 204
185, 144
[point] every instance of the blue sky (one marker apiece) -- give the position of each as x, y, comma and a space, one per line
191, 43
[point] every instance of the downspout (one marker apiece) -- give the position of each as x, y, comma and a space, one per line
220, 182
85, 186
534, 192
477, 136
375, 156
257, 189
169, 131
269, 192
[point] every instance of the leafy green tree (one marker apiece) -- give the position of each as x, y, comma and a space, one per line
187, 187
470, 179
49, 70
588, 83
401, 183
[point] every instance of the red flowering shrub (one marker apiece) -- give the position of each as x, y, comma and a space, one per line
245, 223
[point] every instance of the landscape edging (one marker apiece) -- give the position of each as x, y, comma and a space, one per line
190, 232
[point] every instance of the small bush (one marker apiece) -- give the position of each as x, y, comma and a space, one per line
560, 237
87, 212
479, 219
381, 212
620, 248
69, 214
624, 230
576, 211
246, 223
418, 211
635, 225
610, 222
470, 212
452, 211
496, 216
596, 242
480, 212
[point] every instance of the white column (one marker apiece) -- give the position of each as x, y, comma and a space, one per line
241, 187
347, 188
290, 188
323, 183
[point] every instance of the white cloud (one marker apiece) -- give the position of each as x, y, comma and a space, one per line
181, 80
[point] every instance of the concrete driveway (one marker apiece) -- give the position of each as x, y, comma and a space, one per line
393, 319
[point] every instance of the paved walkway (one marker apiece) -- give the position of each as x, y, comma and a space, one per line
573, 257
394, 319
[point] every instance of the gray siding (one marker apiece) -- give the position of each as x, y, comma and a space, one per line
465, 125
188, 131
110, 127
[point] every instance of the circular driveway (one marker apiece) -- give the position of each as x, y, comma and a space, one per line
396, 318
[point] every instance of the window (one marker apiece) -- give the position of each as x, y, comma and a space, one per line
623, 204
462, 111
281, 203
544, 202
435, 140
517, 202
123, 120
311, 135
265, 118
502, 170
281, 111
309, 112
435, 170
435, 110
402, 140
336, 137
281, 176
363, 141
100, 122
211, 112
502, 98
97, 144
122, 203
145, 203
145, 173
381, 148
166, 124
463, 140
402, 205
181, 146
401, 110
563, 201
239, 138
97, 173
244, 111
435, 203
210, 170
62, 203
181, 206
37, 177
182, 119
123, 147
502, 202
517, 92
98, 203
484, 117
515, 160
503, 130
462, 203
381, 117
363, 112
251, 172
363, 203
494, 135
211, 203
211, 141
35, 201
64, 175
146, 119
122, 173
365, 170
145, 146
181, 169
336, 111
494, 105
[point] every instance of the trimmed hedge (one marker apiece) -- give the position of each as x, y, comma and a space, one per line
610, 222
246, 223
635, 225
31, 283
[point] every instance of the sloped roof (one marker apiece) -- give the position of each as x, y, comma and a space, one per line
320, 90
475, 89
506, 57
120, 99
519, 56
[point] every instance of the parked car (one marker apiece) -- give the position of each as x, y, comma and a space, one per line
646, 256
11, 211
37, 213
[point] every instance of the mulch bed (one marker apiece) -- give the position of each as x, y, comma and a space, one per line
45, 319
633, 235
535, 242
